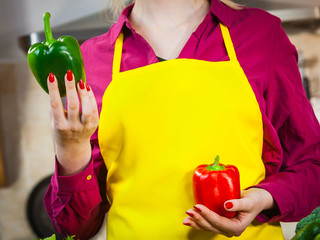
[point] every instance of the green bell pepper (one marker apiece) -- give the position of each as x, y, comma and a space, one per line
53, 237
57, 57
309, 232
317, 237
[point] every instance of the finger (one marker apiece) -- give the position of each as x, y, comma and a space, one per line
235, 205
217, 223
200, 220
94, 107
209, 215
230, 226
56, 106
72, 97
86, 111
188, 221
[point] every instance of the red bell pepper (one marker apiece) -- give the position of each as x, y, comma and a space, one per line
215, 184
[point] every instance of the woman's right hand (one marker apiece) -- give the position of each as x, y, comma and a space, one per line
73, 128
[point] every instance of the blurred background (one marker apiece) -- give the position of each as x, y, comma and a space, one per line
26, 146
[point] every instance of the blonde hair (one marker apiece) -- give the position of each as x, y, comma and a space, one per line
114, 7
232, 4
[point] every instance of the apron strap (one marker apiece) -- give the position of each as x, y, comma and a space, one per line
117, 54
228, 42
119, 43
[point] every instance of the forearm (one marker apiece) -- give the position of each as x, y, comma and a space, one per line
72, 220
291, 151
79, 201
295, 191
73, 158
267, 201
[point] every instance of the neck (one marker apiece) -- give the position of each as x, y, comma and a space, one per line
167, 24
167, 13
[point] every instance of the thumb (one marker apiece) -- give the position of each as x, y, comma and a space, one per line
234, 205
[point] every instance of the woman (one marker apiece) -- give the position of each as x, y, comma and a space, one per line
227, 83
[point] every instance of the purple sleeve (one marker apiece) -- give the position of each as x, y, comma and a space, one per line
295, 185
77, 204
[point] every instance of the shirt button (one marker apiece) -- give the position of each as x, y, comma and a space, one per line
89, 177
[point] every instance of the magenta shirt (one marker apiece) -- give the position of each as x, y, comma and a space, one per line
77, 204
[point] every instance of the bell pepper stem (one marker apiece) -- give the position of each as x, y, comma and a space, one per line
216, 161
47, 29
215, 166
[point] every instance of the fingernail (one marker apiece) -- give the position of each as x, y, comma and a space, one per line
228, 205
88, 88
187, 224
196, 208
190, 214
69, 75
51, 77
81, 84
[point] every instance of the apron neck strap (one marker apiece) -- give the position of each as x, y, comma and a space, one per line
228, 42
225, 34
117, 54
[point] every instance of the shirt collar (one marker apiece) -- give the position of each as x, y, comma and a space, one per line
224, 13
122, 21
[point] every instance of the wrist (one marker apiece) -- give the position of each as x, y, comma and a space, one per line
73, 158
266, 199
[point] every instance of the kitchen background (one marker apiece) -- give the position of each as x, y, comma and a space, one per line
26, 146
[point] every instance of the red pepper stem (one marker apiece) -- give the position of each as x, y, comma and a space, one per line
215, 166
47, 29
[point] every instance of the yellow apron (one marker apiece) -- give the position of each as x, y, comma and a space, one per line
157, 124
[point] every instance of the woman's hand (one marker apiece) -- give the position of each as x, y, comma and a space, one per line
252, 202
73, 128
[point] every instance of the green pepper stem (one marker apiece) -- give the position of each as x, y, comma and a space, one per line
215, 166
47, 28
216, 161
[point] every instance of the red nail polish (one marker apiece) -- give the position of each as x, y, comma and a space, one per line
187, 224
88, 88
228, 205
196, 208
190, 214
51, 77
69, 75
81, 84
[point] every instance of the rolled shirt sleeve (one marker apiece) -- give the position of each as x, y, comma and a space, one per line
77, 204
295, 184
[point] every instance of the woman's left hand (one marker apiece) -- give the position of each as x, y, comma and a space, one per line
251, 203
